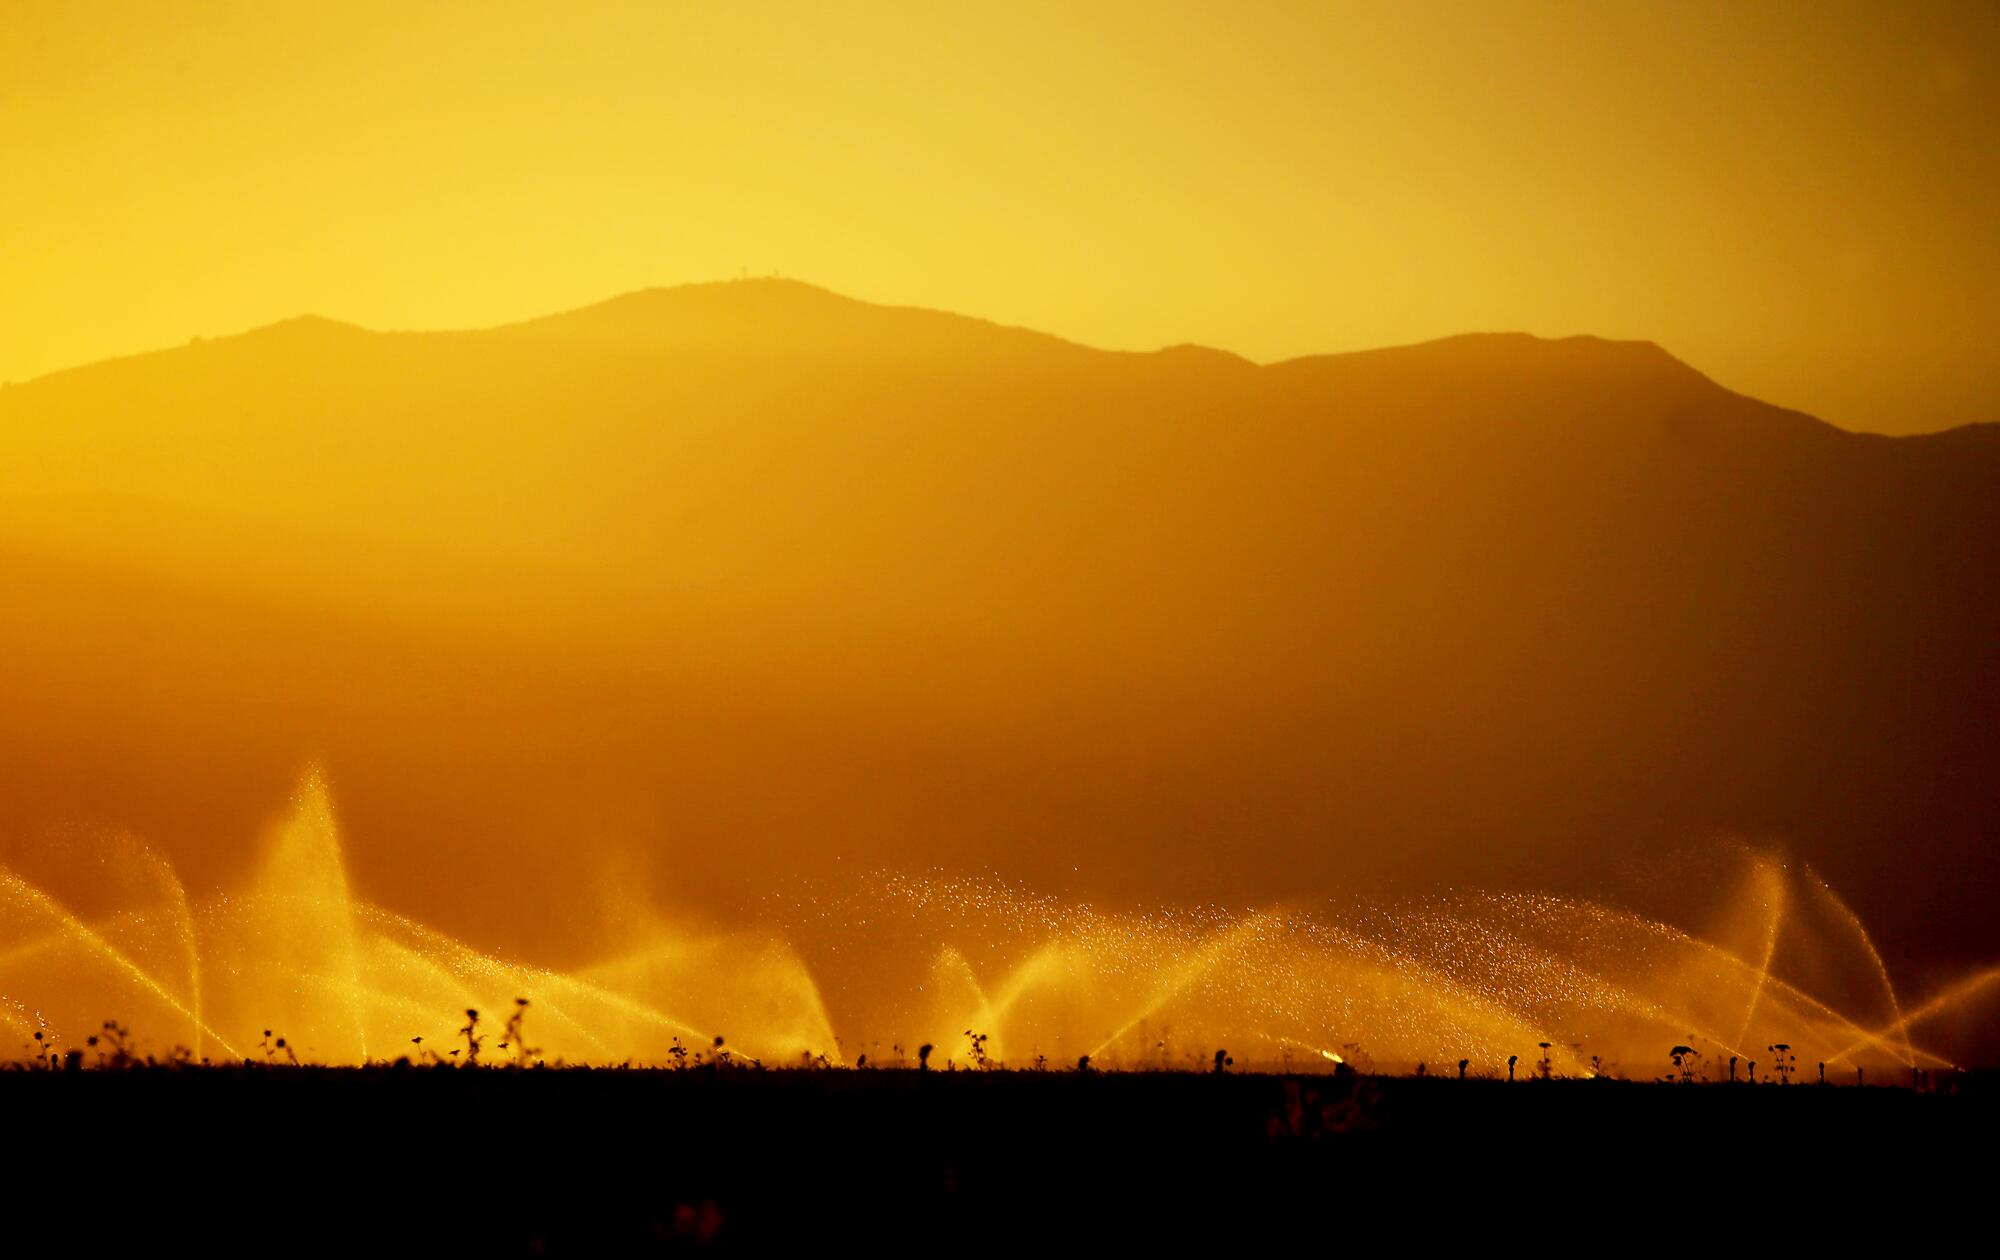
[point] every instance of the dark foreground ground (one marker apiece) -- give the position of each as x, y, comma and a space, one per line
435, 1162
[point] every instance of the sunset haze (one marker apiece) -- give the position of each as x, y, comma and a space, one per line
1799, 202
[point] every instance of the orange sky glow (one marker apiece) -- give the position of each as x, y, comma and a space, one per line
1796, 201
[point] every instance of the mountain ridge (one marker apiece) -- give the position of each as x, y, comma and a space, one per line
774, 306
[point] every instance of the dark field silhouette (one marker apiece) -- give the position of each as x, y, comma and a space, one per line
588, 1162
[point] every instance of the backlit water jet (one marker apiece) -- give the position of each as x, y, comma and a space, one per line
893, 962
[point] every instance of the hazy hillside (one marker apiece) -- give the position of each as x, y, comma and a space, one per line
711, 582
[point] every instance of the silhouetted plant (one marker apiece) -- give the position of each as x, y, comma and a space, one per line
924, 1057
1083, 1063
1223, 1062
1682, 1057
522, 1050
978, 1042
1512, 1059
472, 1038
118, 1037
1543, 1069
1782, 1061
1462, 1065
677, 1054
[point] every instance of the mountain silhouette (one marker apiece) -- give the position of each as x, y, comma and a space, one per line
749, 577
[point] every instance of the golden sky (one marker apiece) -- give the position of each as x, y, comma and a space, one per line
1796, 199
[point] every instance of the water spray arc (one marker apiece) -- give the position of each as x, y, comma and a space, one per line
1575, 987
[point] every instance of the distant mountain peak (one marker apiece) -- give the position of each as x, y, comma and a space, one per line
767, 312
749, 290
305, 325
1513, 354
1191, 352
753, 295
